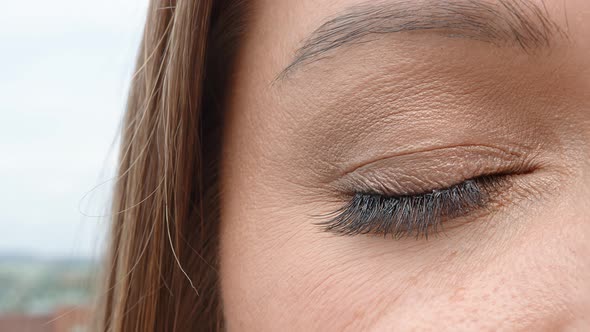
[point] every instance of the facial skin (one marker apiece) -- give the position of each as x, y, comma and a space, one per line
405, 113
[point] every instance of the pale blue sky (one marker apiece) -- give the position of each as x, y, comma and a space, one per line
64, 71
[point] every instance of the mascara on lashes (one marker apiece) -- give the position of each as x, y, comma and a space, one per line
371, 213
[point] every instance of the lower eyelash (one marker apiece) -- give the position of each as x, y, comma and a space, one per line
419, 215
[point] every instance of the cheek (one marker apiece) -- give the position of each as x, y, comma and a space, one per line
278, 272
301, 279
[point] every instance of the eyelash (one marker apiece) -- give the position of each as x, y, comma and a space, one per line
419, 215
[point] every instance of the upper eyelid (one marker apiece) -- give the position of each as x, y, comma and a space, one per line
502, 152
421, 171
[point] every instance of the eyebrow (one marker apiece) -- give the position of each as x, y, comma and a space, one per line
520, 23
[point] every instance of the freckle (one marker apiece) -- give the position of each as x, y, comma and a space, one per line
413, 280
458, 295
452, 255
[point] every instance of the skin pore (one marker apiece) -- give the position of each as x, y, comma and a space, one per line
399, 99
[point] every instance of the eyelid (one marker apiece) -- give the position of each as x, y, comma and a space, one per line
414, 193
424, 171
416, 214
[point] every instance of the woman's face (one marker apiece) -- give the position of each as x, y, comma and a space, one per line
409, 165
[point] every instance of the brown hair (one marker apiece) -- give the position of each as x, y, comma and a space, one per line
162, 261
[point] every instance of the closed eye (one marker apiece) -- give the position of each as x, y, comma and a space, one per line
407, 215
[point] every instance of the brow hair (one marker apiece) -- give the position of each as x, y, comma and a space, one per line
502, 23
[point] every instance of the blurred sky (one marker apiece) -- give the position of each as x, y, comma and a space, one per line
64, 71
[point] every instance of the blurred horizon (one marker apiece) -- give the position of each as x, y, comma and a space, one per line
65, 69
